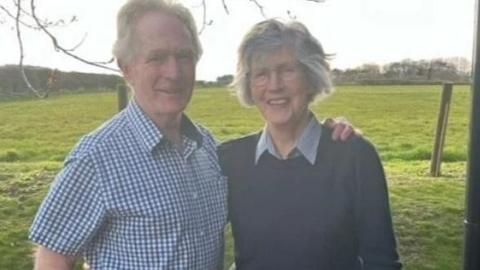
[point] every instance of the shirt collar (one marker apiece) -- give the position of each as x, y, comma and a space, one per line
190, 130
306, 144
146, 130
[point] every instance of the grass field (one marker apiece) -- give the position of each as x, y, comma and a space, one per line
35, 136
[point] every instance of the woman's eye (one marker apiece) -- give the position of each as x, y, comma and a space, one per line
260, 74
289, 69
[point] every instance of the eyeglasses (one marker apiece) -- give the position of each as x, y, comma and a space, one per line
285, 72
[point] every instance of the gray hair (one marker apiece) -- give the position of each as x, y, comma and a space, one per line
270, 35
133, 10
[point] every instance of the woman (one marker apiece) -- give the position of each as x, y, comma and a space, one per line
297, 199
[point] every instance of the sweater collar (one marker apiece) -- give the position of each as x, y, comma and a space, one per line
305, 146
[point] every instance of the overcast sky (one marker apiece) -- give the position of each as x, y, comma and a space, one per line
356, 31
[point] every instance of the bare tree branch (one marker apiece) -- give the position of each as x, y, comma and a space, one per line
46, 22
260, 7
14, 17
204, 17
44, 25
291, 15
79, 43
19, 8
20, 64
64, 50
204, 21
225, 7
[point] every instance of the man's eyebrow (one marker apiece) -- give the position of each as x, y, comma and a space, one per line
184, 50
157, 52
175, 51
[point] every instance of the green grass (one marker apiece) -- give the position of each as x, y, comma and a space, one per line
400, 120
428, 213
35, 136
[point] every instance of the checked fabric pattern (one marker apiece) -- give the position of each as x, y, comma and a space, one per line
127, 199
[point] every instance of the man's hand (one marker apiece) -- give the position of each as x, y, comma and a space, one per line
46, 259
341, 129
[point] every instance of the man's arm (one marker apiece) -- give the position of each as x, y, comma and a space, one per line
46, 259
70, 215
342, 130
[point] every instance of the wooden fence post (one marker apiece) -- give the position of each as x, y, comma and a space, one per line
441, 131
122, 95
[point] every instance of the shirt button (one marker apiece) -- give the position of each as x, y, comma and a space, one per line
201, 233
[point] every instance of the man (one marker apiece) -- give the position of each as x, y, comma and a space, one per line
143, 191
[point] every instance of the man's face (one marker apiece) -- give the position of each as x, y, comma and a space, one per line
162, 71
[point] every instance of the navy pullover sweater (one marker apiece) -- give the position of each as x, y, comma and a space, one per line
289, 214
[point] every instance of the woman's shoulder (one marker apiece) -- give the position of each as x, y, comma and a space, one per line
243, 142
356, 145
236, 152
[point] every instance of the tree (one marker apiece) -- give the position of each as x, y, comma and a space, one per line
225, 79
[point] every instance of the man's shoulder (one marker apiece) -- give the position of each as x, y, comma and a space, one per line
204, 132
107, 135
208, 140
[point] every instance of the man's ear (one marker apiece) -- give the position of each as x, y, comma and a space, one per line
126, 69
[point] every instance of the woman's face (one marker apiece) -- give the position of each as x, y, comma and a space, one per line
279, 87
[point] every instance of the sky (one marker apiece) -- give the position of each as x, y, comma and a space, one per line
356, 31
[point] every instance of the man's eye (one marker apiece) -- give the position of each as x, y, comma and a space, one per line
157, 59
260, 74
184, 55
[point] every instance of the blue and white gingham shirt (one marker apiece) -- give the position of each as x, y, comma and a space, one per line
127, 199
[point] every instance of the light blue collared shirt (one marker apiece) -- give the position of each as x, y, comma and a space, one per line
306, 145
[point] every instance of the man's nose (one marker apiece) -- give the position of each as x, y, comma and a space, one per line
172, 68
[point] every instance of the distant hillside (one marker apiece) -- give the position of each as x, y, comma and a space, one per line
12, 84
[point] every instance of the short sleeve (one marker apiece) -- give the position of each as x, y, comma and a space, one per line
73, 210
